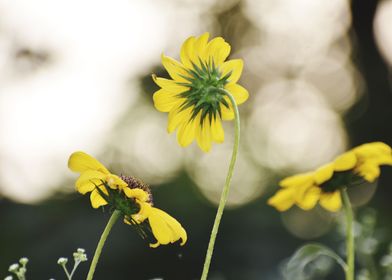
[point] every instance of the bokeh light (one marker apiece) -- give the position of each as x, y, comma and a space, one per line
382, 29
291, 128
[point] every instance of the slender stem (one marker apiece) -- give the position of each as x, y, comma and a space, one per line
226, 188
350, 249
76, 264
69, 277
116, 214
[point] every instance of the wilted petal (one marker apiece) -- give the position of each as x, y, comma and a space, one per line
165, 228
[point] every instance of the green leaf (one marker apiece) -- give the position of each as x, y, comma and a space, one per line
295, 268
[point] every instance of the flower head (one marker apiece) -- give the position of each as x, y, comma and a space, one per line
194, 96
127, 194
323, 185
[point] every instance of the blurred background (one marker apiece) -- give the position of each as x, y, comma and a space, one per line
76, 75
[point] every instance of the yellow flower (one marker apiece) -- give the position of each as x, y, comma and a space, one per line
193, 96
127, 194
92, 176
323, 185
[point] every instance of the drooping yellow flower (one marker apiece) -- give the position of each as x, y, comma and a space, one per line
128, 195
92, 176
324, 184
193, 96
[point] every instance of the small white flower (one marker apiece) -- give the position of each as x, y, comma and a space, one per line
62, 261
13, 267
23, 261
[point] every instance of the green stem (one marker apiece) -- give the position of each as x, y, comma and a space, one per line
116, 214
350, 246
226, 187
66, 272
76, 264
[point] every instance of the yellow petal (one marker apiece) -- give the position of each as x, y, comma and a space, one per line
178, 116
372, 150
169, 85
309, 199
165, 228
283, 199
370, 171
88, 181
80, 162
137, 193
297, 180
115, 182
144, 212
203, 135
187, 52
377, 147
186, 133
323, 173
96, 199
200, 46
165, 101
384, 159
239, 93
331, 201
217, 50
301, 189
345, 161
217, 133
234, 68
175, 69
227, 113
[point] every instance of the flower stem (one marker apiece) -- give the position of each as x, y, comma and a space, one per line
350, 246
69, 277
226, 187
116, 214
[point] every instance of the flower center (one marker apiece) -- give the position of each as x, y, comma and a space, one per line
205, 90
135, 183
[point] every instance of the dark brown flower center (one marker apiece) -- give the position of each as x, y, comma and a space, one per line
135, 183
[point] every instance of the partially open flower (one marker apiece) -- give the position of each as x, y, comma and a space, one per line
324, 184
128, 195
194, 97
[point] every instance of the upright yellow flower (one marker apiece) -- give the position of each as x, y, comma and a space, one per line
324, 184
195, 96
128, 195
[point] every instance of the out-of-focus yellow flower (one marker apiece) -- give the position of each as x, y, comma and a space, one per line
324, 184
193, 97
127, 194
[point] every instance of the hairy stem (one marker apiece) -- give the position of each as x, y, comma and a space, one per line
116, 214
226, 188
